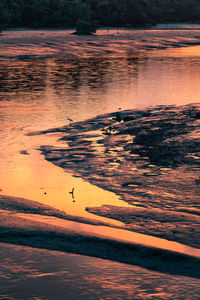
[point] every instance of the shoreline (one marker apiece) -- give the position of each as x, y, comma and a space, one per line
47, 232
105, 143
104, 152
142, 215
44, 44
163, 26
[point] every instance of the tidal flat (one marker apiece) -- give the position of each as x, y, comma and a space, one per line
149, 157
118, 186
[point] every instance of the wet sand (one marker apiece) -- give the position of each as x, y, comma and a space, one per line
55, 233
103, 150
108, 149
28, 273
25, 206
150, 158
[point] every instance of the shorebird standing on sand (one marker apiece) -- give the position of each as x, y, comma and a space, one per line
69, 119
72, 193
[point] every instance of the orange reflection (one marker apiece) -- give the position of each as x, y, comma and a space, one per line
33, 178
121, 235
98, 86
187, 51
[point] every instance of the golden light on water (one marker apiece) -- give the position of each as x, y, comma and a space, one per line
185, 51
120, 235
81, 88
33, 178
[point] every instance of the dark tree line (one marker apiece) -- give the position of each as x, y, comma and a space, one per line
66, 13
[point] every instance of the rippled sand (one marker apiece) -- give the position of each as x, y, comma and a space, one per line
150, 158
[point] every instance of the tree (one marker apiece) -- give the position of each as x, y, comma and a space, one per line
84, 27
66, 13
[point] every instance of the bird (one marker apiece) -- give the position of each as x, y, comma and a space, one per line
72, 193
69, 119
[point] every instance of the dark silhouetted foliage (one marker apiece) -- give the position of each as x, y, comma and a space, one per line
66, 13
84, 27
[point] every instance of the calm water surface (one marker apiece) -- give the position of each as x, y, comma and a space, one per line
41, 94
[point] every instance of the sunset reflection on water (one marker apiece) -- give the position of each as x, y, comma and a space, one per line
41, 94
130, 71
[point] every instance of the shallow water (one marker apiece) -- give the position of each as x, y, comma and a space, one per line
151, 160
42, 93
29, 273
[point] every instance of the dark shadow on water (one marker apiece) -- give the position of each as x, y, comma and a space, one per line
21, 77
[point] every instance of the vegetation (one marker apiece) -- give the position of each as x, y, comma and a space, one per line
84, 27
66, 13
